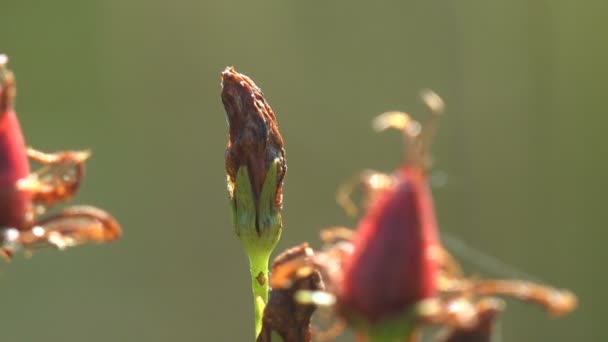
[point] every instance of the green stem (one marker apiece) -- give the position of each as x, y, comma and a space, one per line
395, 329
378, 336
258, 266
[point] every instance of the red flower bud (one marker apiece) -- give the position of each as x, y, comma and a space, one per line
396, 247
394, 264
14, 165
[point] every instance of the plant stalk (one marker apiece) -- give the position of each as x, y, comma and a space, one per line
258, 266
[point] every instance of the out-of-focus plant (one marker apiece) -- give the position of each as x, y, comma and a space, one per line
386, 280
27, 197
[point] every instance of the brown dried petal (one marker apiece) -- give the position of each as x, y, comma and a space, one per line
283, 315
488, 311
254, 140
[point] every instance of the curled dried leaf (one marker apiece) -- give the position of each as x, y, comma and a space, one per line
487, 312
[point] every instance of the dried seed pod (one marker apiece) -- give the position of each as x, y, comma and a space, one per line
14, 203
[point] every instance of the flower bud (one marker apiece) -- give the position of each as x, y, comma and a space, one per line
394, 264
14, 165
255, 161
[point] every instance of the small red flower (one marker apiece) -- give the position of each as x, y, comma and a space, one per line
14, 163
393, 264
395, 259
25, 197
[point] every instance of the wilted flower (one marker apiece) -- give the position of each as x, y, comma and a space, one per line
25, 197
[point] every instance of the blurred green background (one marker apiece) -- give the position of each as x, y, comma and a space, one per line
138, 83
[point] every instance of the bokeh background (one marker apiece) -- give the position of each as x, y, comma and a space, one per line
521, 147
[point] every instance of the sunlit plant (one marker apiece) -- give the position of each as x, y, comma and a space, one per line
386, 280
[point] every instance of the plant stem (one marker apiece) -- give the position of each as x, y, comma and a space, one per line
391, 330
258, 266
377, 337
381, 336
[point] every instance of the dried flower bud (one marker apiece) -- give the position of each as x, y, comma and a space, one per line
254, 153
255, 166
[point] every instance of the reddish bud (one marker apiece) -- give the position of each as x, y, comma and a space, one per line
25, 196
14, 165
394, 262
